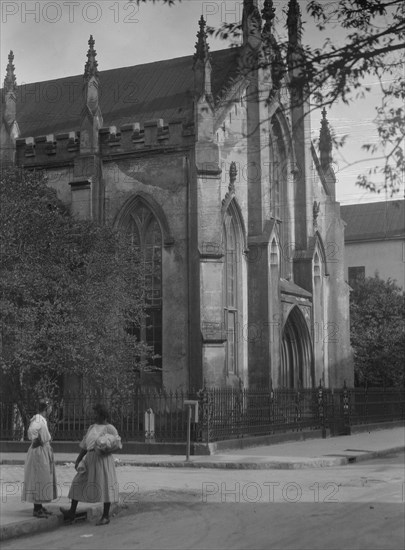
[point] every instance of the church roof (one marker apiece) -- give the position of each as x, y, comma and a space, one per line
374, 220
288, 287
163, 89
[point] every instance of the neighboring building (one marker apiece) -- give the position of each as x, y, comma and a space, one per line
375, 241
222, 190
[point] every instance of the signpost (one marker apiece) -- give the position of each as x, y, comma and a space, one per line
192, 407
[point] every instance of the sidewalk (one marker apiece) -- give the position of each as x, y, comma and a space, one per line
16, 516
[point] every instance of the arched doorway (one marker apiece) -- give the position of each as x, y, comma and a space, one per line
296, 352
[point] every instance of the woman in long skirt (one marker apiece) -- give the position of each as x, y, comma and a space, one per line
96, 478
39, 471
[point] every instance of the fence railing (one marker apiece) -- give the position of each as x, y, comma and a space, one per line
230, 413
375, 405
224, 413
150, 415
158, 416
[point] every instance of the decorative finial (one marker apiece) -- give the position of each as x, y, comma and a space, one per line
268, 15
315, 213
233, 172
10, 84
294, 22
251, 24
201, 46
325, 142
271, 46
90, 69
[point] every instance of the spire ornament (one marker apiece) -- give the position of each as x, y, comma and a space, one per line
92, 118
10, 83
90, 68
294, 23
270, 45
201, 46
325, 142
268, 16
9, 127
251, 24
233, 172
202, 63
316, 207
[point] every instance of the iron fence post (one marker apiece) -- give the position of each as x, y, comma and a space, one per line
365, 403
204, 415
271, 416
321, 408
298, 413
346, 408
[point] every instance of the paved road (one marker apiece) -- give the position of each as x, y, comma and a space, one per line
348, 507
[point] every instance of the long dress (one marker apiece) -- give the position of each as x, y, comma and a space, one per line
39, 470
98, 482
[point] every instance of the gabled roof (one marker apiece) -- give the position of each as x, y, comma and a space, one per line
163, 89
374, 220
288, 287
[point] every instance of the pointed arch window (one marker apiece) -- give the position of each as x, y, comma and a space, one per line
147, 238
279, 188
279, 168
231, 290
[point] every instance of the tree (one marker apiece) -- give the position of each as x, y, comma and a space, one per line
377, 332
69, 290
373, 46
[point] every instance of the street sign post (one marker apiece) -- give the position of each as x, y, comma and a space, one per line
192, 416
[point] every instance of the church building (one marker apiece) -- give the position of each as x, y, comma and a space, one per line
207, 161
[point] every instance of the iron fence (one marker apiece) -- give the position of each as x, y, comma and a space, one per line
224, 413
158, 416
375, 405
148, 415
235, 413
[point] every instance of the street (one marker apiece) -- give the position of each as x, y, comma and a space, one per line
348, 507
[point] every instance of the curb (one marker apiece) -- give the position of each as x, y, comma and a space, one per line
33, 526
267, 464
321, 462
294, 464
377, 454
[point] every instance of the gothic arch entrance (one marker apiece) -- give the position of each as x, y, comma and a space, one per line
296, 352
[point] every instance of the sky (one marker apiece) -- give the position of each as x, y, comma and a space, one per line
49, 40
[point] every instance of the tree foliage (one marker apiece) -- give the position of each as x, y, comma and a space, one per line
378, 332
68, 290
372, 49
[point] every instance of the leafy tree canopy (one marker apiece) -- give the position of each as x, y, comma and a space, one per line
68, 290
371, 47
377, 332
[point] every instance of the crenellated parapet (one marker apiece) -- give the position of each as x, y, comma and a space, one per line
48, 149
130, 138
152, 134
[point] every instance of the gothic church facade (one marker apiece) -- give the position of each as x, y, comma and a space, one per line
224, 193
